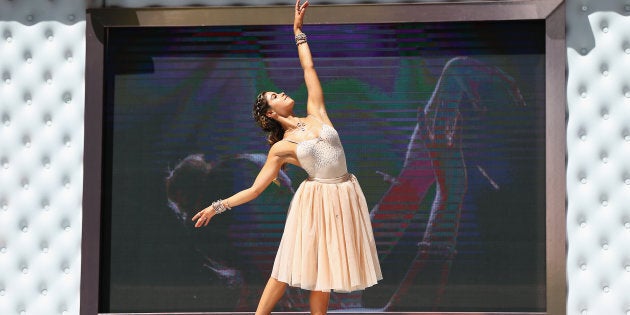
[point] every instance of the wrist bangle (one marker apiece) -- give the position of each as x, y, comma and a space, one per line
219, 207
300, 38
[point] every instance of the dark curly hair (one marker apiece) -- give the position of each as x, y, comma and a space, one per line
274, 130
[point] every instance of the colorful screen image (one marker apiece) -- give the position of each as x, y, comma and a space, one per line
443, 124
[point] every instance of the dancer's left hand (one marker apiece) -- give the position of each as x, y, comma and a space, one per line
300, 10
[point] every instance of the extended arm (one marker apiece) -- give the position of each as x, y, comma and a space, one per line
315, 104
266, 175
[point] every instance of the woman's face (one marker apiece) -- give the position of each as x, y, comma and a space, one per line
280, 103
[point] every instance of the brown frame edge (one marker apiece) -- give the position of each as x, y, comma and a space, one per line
92, 169
552, 11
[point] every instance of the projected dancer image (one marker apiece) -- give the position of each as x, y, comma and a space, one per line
447, 152
327, 244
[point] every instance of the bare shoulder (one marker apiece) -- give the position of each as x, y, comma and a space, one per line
285, 152
281, 149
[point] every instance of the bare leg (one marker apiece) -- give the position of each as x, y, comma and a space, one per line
270, 296
319, 302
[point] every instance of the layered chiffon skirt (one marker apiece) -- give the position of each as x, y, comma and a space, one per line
328, 243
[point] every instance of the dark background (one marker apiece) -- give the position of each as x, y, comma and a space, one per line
173, 92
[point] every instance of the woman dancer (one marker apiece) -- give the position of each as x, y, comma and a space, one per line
327, 242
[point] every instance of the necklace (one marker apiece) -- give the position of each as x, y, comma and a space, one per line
299, 126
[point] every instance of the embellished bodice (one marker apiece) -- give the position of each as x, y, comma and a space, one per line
323, 157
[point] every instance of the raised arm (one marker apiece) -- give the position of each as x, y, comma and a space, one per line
266, 175
315, 104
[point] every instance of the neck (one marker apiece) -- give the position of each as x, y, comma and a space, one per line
289, 122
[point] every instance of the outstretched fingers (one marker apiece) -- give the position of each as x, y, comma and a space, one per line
197, 216
201, 218
300, 8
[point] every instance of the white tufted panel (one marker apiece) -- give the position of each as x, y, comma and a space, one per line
41, 111
598, 169
42, 53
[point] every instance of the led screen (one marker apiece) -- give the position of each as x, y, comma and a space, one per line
442, 123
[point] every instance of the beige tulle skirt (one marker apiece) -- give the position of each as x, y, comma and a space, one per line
328, 243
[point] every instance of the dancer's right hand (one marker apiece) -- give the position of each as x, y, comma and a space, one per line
203, 217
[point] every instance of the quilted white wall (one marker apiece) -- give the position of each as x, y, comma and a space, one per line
42, 60
42, 50
598, 169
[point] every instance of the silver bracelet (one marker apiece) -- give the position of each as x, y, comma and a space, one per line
300, 38
219, 207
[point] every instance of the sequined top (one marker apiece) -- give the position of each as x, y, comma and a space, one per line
322, 157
